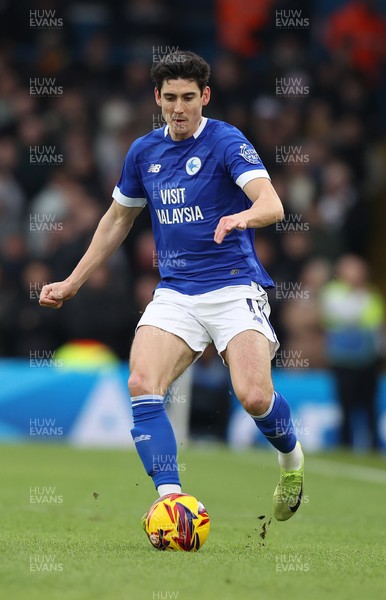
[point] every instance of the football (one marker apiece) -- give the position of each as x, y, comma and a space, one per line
177, 522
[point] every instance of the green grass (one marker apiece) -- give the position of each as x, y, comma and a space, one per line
333, 548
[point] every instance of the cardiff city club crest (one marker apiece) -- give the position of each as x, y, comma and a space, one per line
249, 154
193, 165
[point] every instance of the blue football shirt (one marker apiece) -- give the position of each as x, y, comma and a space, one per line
189, 185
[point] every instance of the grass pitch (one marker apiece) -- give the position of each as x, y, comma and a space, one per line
71, 528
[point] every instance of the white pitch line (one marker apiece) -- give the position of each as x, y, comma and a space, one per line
348, 471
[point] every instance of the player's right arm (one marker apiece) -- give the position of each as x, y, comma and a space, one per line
112, 229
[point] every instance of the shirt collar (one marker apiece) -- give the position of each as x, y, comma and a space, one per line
198, 131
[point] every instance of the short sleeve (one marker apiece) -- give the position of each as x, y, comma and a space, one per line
242, 161
129, 191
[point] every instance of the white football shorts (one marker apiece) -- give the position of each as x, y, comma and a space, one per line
216, 316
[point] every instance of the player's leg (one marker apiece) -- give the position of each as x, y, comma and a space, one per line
157, 359
249, 359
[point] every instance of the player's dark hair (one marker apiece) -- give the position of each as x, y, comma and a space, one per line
181, 65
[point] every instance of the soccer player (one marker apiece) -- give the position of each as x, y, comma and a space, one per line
207, 191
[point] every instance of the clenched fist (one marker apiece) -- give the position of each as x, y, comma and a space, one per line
54, 294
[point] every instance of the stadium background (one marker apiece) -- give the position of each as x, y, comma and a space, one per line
304, 81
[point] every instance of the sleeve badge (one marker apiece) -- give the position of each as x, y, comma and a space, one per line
249, 154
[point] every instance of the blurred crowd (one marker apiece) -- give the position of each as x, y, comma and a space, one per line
303, 82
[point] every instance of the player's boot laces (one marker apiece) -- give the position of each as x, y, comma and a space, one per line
288, 494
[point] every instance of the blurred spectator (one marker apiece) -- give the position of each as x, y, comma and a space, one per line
13, 256
37, 329
300, 322
7, 299
101, 311
33, 140
352, 313
356, 33
335, 211
239, 23
12, 202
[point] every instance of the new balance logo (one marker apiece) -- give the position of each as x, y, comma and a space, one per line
142, 438
154, 168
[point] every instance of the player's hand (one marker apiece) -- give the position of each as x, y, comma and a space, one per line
228, 224
54, 294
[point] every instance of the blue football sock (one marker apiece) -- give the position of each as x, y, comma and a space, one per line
276, 424
154, 439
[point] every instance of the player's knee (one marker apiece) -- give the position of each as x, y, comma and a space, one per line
257, 401
140, 384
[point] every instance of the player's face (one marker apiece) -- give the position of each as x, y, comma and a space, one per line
181, 102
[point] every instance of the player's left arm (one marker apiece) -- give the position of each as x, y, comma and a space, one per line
266, 209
